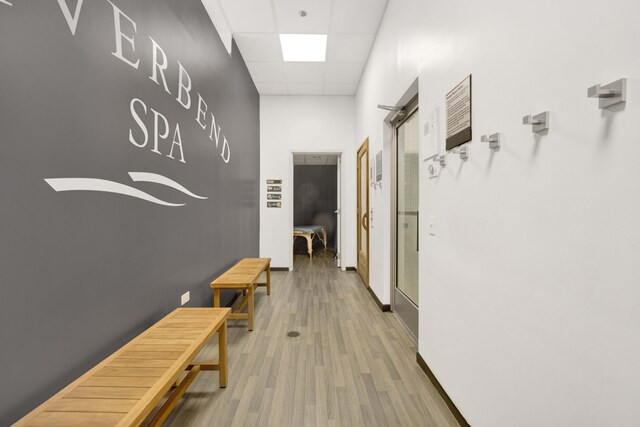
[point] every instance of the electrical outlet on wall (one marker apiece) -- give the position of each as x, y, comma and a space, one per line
185, 298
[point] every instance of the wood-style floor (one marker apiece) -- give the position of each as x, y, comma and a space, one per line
351, 365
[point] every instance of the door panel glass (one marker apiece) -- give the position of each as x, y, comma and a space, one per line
363, 204
407, 219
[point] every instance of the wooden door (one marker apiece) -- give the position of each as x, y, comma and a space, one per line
363, 212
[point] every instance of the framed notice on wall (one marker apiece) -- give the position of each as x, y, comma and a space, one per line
459, 114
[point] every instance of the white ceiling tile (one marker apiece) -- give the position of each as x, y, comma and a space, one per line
249, 16
290, 22
305, 88
345, 89
350, 24
315, 159
266, 72
272, 88
357, 16
349, 47
259, 46
343, 72
304, 72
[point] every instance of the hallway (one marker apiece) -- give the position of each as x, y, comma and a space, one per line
352, 365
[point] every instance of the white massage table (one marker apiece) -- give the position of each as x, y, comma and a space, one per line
311, 232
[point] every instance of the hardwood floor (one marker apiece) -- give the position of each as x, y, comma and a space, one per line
351, 365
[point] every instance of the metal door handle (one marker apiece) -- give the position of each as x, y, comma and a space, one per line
365, 217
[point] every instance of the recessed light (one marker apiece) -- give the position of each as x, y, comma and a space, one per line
302, 13
304, 47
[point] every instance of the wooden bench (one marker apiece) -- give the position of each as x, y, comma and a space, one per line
243, 276
125, 388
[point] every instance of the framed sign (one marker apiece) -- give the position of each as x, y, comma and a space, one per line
459, 114
274, 181
274, 196
274, 188
274, 204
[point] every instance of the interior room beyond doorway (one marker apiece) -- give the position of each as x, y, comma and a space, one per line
315, 204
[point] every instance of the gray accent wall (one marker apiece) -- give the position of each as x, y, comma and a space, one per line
83, 272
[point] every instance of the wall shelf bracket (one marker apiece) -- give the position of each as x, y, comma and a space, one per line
540, 122
610, 94
494, 140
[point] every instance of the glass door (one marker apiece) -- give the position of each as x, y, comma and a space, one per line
405, 298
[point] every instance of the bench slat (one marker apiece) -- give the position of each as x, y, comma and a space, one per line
108, 392
73, 419
71, 404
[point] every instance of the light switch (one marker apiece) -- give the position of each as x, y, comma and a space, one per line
432, 225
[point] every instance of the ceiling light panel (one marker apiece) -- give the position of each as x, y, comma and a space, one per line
304, 47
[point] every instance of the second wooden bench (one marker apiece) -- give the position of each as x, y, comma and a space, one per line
243, 276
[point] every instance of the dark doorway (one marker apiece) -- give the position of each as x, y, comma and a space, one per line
315, 202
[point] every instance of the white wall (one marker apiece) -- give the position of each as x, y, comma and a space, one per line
304, 124
530, 291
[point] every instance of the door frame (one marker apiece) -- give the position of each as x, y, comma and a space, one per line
411, 106
363, 148
288, 195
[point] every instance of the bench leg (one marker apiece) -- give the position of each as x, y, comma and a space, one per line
269, 279
216, 297
251, 291
222, 354
173, 399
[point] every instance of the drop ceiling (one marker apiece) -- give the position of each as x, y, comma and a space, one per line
315, 159
351, 26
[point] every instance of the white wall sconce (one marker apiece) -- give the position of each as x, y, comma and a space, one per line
610, 94
540, 122
493, 140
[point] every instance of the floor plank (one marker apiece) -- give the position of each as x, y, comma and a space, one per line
352, 365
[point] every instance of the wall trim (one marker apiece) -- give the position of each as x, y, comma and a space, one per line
351, 269
452, 406
279, 268
383, 307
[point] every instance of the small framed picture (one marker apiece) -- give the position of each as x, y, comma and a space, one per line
274, 181
274, 204
274, 188
274, 196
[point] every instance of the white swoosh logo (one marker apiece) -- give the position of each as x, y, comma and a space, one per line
103, 185
163, 180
